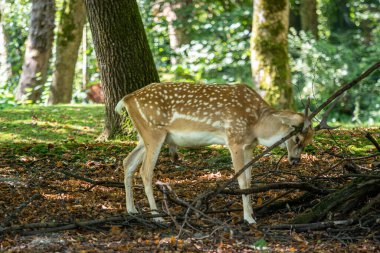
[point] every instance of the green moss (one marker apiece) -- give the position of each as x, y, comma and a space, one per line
67, 25
273, 6
273, 28
272, 53
274, 59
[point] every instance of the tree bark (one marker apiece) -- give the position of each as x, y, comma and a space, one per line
125, 60
5, 67
68, 41
309, 17
269, 52
294, 15
38, 51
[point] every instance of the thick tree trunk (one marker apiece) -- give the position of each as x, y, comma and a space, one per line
38, 51
125, 60
269, 52
5, 68
68, 41
309, 18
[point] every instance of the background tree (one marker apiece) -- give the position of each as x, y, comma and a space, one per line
38, 51
177, 15
269, 52
73, 18
309, 17
123, 53
5, 69
294, 15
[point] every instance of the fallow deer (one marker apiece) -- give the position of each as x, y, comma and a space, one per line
188, 115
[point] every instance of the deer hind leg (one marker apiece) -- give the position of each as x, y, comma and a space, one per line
152, 148
130, 165
238, 159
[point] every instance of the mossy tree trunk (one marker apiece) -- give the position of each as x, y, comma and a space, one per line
5, 68
38, 51
122, 50
309, 17
73, 18
269, 52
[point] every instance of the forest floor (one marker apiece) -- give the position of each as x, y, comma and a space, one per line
48, 158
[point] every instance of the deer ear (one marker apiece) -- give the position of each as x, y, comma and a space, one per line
290, 119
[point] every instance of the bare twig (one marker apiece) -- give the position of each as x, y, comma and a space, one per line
164, 187
344, 88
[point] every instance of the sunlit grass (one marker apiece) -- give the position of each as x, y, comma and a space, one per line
47, 124
34, 127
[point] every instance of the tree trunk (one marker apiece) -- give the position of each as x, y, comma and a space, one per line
125, 60
309, 18
68, 41
177, 20
269, 52
5, 67
294, 16
38, 51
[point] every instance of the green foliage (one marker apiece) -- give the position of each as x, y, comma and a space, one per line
218, 51
321, 67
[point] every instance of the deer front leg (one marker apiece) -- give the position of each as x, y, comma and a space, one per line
238, 160
130, 165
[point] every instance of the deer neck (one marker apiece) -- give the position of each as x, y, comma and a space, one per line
269, 128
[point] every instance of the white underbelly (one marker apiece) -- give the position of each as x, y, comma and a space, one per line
195, 139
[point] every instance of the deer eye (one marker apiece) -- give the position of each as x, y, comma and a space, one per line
297, 140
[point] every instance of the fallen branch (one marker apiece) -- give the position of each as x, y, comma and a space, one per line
343, 200
38, 228
374, 142
311, 226
283, 185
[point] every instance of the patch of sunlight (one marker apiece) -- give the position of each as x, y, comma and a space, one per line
212, 176
360, 150
59, 196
